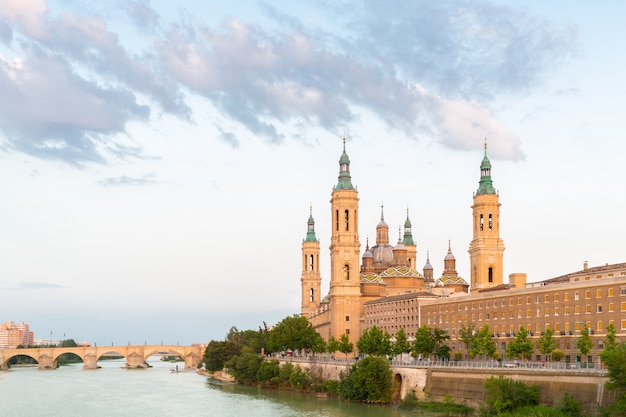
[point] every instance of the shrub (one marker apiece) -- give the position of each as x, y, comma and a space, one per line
458, 356
569, 406
369, 381
503, 394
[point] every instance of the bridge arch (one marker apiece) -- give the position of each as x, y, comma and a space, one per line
5, 360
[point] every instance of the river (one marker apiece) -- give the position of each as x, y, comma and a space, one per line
155, 392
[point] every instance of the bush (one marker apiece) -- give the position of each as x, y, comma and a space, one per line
503, 394
557, 355
569, 406
267, 372
369, 381
458, 356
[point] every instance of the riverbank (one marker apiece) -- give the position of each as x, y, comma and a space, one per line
222, 376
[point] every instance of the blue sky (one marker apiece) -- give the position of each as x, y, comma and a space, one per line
158, 159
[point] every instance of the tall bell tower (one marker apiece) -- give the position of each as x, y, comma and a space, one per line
311, 278
487, 247
345, 285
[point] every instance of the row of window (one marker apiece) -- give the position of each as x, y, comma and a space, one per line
545, 298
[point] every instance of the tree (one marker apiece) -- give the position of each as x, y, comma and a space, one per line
521, 347
293, 332
557, 355
610, 341
584, 343
547, 342
401, 345
374, 341
344, 345
370, 380
615, 361
245, 367
466, 335
217, 354
483, 343
332, 345
68, 343
423, 344
442, 350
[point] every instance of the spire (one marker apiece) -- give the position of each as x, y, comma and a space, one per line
428, 266
408, 235
449, 255
485, 185
310, 232
382, 230
428, 269
345, 182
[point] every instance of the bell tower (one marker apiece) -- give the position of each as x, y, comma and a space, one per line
345, 285
311, 278
487, 247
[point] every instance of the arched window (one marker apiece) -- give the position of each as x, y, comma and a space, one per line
337, 220
311, 295
346, 272
347, 219
481, 222
311, 263
490, 222
490, 274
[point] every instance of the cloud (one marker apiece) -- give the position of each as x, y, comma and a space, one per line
74, 85
32, 285
126, 180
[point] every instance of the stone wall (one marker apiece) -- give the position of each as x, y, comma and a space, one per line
466, 385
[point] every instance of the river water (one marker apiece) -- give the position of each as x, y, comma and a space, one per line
116, 392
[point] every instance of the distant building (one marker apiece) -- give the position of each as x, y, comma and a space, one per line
13, 335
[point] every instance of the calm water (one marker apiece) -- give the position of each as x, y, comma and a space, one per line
112, 391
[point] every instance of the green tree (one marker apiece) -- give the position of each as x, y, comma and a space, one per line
245, 367
466, 335
370, 380
610, 342
440, 337
584, 342
345, 345
217, 354
423, 344
374, 341
268, 372
521, 347
483, 344
293, 332
615, 361
557, 355
547, 342
332, 345
68, 343
401, 345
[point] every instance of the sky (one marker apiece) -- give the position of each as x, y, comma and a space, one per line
158, 159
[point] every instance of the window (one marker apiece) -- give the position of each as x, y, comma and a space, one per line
598, 293
587, 294
347, 331
599, 326
347, 219
566, 296
623, 305
610, 292
481, 222
623, 289
346, 272
576, 296
556, 297
337, 220
347, 318
588, 309
546, 312
576, 309
623, 324
490, 222
556, 311
528, 313
311, 295
566, 310
536, 298
490, 274
546, 299
611, 307
599, 308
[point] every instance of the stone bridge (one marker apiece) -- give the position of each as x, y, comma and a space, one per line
136, 355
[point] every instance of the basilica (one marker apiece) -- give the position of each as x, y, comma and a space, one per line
385, 270
382, 286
